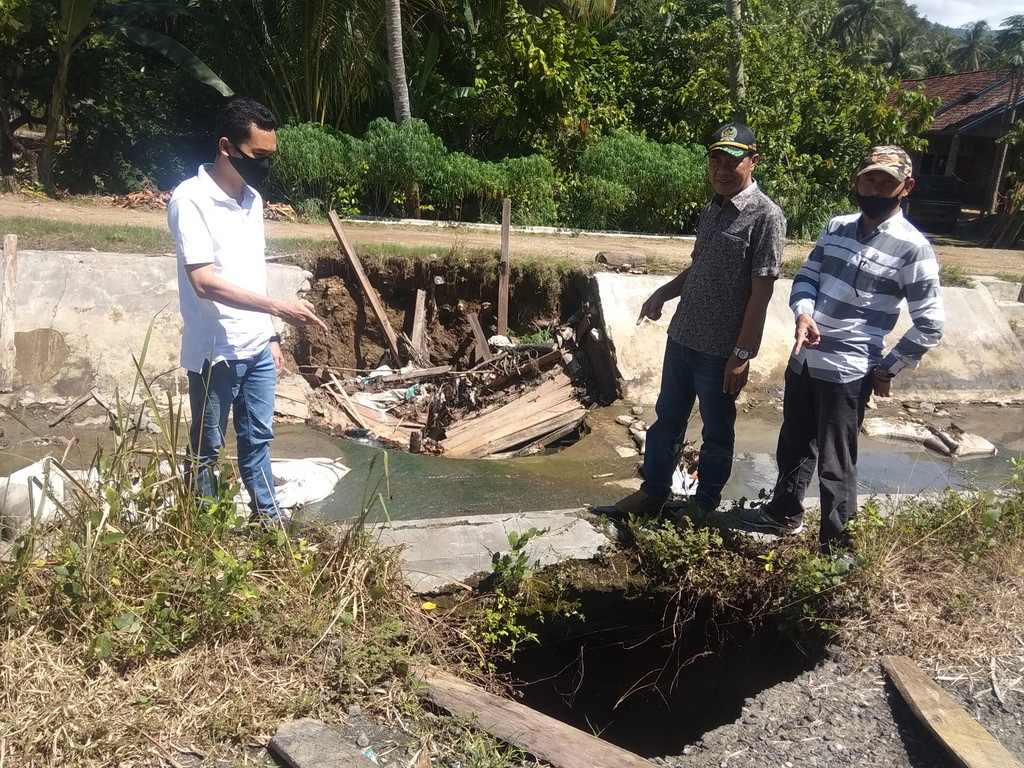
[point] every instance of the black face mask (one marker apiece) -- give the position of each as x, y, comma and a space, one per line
876, 208
252, 170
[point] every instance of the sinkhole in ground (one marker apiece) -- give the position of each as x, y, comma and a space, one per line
623, 674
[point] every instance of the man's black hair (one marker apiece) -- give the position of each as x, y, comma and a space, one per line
236, 119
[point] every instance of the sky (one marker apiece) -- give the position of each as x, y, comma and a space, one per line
956, 13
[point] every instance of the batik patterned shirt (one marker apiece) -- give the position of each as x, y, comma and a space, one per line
737, 240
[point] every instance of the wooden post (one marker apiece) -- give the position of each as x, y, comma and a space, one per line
483, 352
506, 218
371, 294
8, 286
419, 324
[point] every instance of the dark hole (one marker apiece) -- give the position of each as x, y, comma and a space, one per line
621, 674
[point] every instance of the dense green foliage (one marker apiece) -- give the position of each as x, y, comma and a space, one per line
586, 114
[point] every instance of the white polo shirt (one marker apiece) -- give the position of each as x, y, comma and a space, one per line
210, 227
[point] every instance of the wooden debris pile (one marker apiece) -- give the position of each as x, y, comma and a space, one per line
518, 402
514, 399
154, 199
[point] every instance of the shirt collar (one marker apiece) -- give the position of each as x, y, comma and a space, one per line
742, 198
212, 188
896, 220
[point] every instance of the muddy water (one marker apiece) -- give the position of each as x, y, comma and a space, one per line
589, 473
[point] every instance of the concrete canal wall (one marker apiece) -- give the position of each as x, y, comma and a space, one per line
80, 317
980, 358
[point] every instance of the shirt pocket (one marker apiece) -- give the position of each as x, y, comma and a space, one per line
874, 277
730, 248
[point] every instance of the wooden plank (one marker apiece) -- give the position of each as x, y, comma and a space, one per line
503, 268
419, 324
547, 739
560, 423
414, 375
8, 292
966, 740
346, 402
483, 351
371, 294
514, 423
623, 259
549, 394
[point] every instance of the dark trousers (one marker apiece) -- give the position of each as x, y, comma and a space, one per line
820, 425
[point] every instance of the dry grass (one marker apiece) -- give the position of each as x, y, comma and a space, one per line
62, 706
943, 585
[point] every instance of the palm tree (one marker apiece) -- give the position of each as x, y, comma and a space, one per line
937, 56
396, 60
899, 54
975, 49
858, 22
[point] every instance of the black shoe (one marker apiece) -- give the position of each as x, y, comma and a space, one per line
760, 520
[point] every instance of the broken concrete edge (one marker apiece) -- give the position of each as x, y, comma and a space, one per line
443, 554
310, 743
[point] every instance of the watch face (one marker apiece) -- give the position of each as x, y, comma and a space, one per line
742, 354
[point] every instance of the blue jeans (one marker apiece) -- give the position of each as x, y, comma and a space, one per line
687, 376
247, 386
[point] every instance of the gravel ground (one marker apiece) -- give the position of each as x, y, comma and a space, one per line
833, 716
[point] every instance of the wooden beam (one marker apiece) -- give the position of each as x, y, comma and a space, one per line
346, 402
483, 351
969, 743
419, 324
416, 375
364, 282
503, 269
8, 292
547, 739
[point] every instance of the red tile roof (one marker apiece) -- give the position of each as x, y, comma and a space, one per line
965, 96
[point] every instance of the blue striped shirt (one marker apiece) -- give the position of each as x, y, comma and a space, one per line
853, 287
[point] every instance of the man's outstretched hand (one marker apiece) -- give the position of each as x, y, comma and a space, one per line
807, 334
299, 313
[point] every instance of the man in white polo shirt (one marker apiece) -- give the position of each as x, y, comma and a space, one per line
228, 344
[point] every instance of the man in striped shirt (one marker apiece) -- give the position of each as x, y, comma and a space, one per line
846, 299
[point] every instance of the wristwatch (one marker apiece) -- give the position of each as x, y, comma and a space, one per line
882, 374
741, 353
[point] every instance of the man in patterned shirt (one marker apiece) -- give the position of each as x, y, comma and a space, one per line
846, 299
716, 330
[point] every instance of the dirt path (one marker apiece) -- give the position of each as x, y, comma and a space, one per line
660, 251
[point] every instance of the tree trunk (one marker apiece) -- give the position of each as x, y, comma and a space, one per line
400, 90
6, 148
737, 79
1002, 150
54, 116
396, 60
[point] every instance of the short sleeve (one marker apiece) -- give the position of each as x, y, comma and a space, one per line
192, 239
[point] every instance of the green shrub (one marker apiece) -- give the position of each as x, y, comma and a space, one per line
807, 204
315, 168
631, 183
530, 183
456, 179
397, 158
